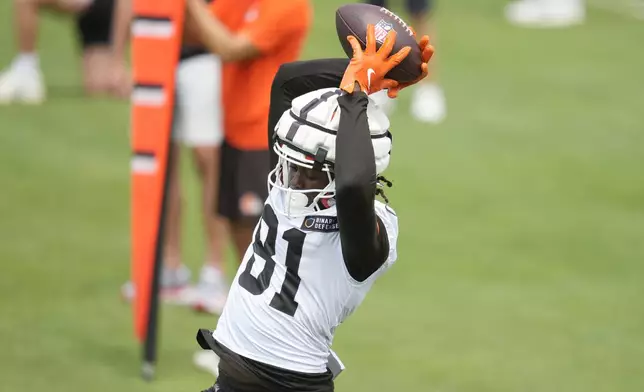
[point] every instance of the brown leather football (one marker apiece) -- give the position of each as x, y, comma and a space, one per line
352, 19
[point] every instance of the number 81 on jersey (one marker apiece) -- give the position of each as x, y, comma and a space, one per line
284, 300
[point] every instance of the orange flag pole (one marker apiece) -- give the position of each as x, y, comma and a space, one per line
156, 40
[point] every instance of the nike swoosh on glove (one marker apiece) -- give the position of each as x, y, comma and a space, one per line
367, 69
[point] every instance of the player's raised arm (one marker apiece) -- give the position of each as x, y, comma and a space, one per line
364, 241
363, 249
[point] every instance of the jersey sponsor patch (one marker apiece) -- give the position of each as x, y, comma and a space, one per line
325, 224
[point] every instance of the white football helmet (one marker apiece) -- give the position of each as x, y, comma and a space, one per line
305, 136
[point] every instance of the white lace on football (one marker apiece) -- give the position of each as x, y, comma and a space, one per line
305, 136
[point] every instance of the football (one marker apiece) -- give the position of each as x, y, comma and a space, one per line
352, 19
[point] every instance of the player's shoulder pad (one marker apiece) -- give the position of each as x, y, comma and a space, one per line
389, 219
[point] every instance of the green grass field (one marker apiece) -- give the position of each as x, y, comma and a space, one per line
521, 255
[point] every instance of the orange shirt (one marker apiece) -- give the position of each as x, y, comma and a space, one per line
278, 29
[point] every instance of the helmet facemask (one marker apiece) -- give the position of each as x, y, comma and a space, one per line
300, 202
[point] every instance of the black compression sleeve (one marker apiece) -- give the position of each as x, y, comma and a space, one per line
364, 250
298, 78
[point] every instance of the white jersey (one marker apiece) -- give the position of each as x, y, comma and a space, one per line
293, 290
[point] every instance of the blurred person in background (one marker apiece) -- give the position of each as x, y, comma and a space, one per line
197, 124
546, 13
253, 38
23, 81
428, 103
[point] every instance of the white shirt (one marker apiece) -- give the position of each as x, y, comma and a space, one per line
263, 321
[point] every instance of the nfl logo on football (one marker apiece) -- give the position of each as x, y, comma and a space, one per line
382, 29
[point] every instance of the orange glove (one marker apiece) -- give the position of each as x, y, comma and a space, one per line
368, 69
427, 51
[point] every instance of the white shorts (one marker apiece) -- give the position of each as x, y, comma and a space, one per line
198, 114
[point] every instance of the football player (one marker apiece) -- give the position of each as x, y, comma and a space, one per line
322, 239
